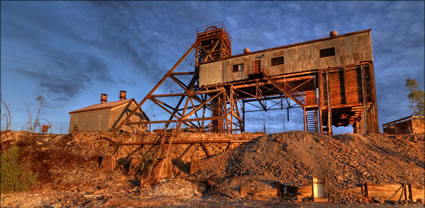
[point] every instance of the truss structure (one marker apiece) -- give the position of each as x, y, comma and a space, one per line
221, 108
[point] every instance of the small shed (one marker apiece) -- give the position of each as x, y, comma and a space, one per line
407, 125
106, 115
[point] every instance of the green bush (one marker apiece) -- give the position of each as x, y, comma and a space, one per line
13, 176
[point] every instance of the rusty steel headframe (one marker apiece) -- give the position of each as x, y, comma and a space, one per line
221, 108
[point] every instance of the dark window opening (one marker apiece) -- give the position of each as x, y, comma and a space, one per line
238, 68
235, 68
277, 61
327, 52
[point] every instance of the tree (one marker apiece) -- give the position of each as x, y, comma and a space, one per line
416, 97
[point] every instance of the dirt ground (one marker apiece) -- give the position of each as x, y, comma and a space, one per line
66, 199
70, 176
345, 160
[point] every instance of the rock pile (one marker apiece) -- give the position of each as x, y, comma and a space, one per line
345, 160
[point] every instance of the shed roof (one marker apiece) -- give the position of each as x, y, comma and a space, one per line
403, 119
102, 106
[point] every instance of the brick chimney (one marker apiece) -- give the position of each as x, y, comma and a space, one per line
103, 98
123, 95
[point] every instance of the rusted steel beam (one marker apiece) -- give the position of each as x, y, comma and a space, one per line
265, 98
374, 100
182, 73
156, 86
185, 142
202, 104
247, 93
298, 86
196, 114
174, 121
184, 111
169, 95
321, 100
205, 148
283, 90
160, 103
180, 83
165, 104
203, 116
364, 98
278, 78
260, 94
328, 95
243, 117
231, 108
270, 109
185, 93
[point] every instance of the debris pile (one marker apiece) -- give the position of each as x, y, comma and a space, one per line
345, 160
71, 174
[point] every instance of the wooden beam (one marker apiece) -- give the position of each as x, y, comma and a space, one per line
374, 100
328, 95
364, 97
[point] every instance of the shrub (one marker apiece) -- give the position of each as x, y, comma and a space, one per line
13, 176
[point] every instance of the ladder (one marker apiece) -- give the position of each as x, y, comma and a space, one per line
310, 121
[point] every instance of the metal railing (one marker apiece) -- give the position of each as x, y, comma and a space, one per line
203, 28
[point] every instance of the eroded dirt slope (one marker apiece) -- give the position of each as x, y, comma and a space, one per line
69, 171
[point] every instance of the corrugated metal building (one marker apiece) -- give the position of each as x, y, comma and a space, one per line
106, 115
347, 49
407, 125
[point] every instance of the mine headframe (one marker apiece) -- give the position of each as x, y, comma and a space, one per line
211, 94
197, 109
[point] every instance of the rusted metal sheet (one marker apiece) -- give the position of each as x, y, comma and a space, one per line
351, 48
211, 73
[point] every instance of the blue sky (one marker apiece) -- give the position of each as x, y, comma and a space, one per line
71, 52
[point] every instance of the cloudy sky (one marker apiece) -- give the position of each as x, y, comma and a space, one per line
70, 52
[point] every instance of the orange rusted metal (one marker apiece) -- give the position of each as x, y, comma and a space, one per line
337, 96
44, 128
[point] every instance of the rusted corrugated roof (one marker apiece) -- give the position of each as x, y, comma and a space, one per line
103, 106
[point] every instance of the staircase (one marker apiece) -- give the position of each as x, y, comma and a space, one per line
287, 92
310, 121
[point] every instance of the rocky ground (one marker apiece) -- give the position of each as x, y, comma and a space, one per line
69, 173
345, 160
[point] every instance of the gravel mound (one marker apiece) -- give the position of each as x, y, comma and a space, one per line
345, 160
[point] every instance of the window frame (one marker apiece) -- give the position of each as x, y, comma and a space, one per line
327, 52
239, 68
277, 58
